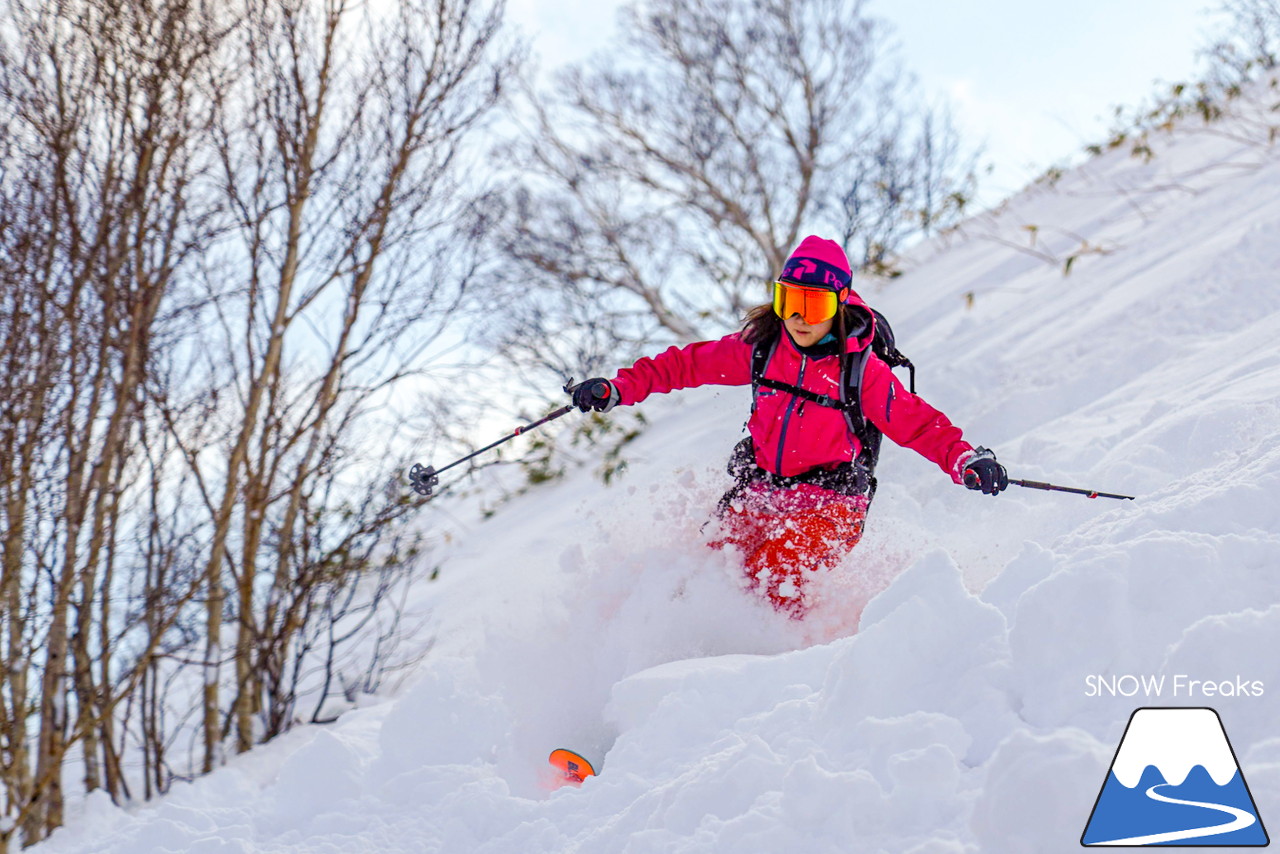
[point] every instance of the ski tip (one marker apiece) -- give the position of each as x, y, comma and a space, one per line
574, 768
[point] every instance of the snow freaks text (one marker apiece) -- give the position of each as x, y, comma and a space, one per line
1179, 685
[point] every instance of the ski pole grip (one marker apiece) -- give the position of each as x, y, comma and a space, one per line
971, 478
600, 391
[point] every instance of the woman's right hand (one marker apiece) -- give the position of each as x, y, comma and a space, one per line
596, 393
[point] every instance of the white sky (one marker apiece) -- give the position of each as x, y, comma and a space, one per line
1034, 81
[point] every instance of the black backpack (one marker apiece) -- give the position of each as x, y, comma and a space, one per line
852, 367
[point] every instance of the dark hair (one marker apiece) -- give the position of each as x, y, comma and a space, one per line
763, 324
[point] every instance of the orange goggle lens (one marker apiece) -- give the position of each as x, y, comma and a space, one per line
814, 305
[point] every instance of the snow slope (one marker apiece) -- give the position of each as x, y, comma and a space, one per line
937, 701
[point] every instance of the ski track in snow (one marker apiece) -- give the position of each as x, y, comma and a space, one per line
935, 702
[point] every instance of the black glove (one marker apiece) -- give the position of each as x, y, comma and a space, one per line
596, 393
981, 471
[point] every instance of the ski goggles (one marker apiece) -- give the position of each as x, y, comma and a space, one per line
814, 305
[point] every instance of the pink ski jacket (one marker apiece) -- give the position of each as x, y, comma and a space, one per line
792, 435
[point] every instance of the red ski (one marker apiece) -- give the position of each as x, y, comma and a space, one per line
574, 768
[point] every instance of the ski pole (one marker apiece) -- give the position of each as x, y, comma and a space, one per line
423, 479
1091, 493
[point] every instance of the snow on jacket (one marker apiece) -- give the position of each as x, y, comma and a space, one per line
792, 435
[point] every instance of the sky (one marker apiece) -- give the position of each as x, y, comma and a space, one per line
1034, 82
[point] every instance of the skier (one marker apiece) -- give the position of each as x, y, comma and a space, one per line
803, 479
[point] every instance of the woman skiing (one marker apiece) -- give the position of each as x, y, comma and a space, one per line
803, 477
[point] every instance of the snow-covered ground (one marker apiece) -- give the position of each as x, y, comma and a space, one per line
944, 695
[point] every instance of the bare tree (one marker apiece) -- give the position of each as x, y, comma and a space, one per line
1250, 44
665, 183
103, 108
915, 180
228, 233
342, 160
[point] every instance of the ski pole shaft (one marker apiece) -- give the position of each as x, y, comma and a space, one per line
564, 410
425, 479
1091, 493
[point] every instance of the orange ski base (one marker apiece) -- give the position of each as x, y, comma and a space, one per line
574, 768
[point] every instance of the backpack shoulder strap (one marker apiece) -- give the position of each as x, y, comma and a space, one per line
761, 354
853, 367
868, 435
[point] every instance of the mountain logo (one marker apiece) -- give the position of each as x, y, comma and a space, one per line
1175, 781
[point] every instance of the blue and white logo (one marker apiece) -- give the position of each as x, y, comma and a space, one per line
1175, 781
